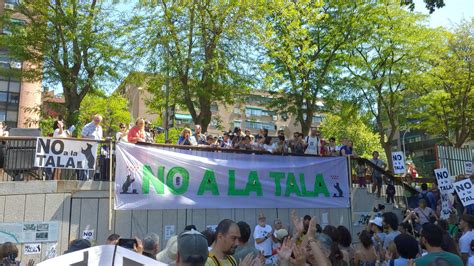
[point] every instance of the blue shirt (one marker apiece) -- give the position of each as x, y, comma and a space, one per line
347, 149
91, 131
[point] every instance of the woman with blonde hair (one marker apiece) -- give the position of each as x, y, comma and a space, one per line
137, 132
186, 138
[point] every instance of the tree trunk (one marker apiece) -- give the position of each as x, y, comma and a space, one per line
388, 152
72, 111
205, 114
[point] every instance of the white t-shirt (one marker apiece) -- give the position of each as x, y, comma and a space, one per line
465, 242
314, 145
57, 135
262, 232
470, 261
121, 137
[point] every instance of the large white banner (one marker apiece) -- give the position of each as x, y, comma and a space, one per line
65, 153
152, 178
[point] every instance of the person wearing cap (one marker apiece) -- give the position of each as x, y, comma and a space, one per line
376, 227
431, 241
244, 247
192, 249
151, 245
225, 244
466, 225
170, 253
263, 236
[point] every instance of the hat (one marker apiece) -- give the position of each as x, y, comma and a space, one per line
280, 234
192, 247
150, 241
377, 221
78, 244
168, 255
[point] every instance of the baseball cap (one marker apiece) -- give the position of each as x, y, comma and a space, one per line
377, 221
168, 255
280, 234
192, 247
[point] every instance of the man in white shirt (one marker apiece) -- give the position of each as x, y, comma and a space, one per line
313, 142
466, 225
263, 236
93, 130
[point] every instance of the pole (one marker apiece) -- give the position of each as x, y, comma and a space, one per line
167, 93
111, 148
403, 142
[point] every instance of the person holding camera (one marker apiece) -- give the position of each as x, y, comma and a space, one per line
424, 213
186, 138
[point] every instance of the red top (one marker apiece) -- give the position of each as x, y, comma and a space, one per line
133, 133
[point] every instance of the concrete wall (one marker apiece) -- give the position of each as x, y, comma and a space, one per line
85, 205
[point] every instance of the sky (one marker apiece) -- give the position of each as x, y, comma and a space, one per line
452, 13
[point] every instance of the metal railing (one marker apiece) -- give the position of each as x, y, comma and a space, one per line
17, 155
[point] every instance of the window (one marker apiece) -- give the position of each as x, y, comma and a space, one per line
317, 119
3, 96
12, 2
12, 116
256, 112
259, 125
214, 107
237, 123
3, 116
14, 86
14, 23
14, 98
236, 110
3, 85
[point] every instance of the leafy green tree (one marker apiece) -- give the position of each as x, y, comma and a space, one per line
200, 45
390, 46
365, 141
71, 44
302, 43
113, 109
445, 94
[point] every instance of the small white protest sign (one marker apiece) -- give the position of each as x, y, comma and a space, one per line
169, 231
398, 162
30, 249
88, 234
465, 191
468, 168
445, 183
445, 210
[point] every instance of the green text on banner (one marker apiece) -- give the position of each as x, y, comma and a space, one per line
148, 177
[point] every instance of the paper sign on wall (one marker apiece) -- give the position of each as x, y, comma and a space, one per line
468, 168
445, 183
169, 231
30, 249
88, 234
465, 191
398, 162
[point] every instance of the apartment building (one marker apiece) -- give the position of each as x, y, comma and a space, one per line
249, 111
18, 97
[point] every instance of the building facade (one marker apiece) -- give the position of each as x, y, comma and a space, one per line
19, 99
249, 111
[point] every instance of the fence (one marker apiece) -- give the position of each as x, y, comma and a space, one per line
453, 158
17, 162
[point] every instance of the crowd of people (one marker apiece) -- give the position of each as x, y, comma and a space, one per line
142, 131
384, 241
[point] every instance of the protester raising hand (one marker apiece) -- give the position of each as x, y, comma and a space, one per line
297, 223
250, 260
300, 256
285, 251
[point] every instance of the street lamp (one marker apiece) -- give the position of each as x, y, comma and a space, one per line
403, 141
